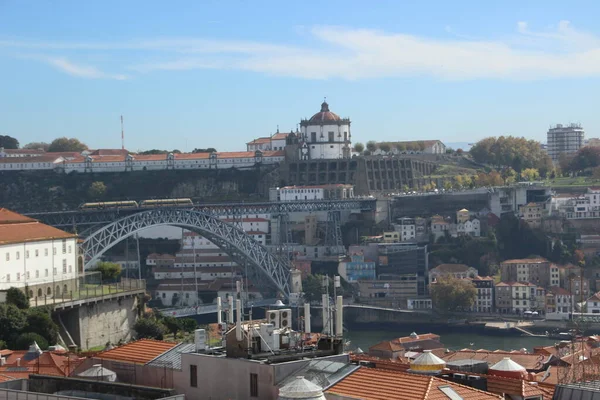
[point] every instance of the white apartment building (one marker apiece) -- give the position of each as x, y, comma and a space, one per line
407, 228
564, 140
559, 301
36, 256
579, 207
316, 192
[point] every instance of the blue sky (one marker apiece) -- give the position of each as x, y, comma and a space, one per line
191, 74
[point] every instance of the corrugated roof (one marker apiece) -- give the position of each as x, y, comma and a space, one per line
138, 352
172, 358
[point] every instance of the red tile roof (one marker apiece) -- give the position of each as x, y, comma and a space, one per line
138, 352
48, 363
16, 228
530, 361
526, 261
376, 384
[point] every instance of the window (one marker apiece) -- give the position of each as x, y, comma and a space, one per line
18, 276
37, 253
64, 266
27, 254
54, 250
331, 134
46, 252
54, 271
7, 277
28, 276
193, 376
7, 256
64, 246
18, 255
253, 385
69, 249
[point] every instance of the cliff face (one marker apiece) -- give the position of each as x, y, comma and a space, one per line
47, 190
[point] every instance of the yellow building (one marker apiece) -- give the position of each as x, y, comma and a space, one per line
391, 237
462, 216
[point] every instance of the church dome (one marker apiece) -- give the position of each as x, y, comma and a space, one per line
324, 115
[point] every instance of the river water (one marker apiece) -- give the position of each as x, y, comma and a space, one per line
451, 340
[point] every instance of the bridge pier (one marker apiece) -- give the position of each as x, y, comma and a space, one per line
97, 322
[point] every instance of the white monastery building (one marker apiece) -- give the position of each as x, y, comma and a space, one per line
325, 136
36, 256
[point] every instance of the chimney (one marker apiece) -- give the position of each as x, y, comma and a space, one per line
325, 300
339, 317
2, 361
238, 325
18, 362
307, 318
231, 308
219, 316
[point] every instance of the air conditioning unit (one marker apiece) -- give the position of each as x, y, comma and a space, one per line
285, 318
273, 317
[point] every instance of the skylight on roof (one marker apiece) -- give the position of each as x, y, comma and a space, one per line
450, 393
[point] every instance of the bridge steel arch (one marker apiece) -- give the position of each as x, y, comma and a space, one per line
224, 235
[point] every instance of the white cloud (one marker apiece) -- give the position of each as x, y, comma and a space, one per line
338, 52
81, 71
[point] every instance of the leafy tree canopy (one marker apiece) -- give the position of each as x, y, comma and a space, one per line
17, 297
207, 150
359, 147
66, 144
449, 294
97, 190
509, 151
39, 321
8, 142
149, 328
586, 157
26, 339
37, 145
110, 271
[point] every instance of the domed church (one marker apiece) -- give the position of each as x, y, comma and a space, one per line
324, 136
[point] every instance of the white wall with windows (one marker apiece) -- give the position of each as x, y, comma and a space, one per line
37, 263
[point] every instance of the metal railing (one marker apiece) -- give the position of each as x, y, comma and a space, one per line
91, 291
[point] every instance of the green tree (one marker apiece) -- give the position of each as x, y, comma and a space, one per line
110, 271
66, 144
12, 321
149, 328
447, 185
509, 151
207, 150
188, 324
24, 340
312, 287
17, 297
172, 324
8, 142
385, 147
586, 157
530, 174
401, 147
37, 146
509, 175
371, 146
38, 321
359, 147
97, 190
449, 294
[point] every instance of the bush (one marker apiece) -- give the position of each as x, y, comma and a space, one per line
17, 297
40, 322
149, 328
26, 339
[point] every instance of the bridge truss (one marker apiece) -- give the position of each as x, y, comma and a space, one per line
82, 219
241, 247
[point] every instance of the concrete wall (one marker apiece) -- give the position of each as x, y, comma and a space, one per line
96, 324
221, 378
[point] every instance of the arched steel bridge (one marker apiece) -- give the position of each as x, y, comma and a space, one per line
87, 218
244, 249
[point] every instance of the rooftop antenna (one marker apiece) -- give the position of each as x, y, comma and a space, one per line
122, 135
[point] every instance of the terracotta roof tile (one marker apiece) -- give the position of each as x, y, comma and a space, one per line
138, 352
376, 384
530, 361
16, 228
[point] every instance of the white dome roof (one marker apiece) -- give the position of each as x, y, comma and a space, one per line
301, 388
428, 358
506, 364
